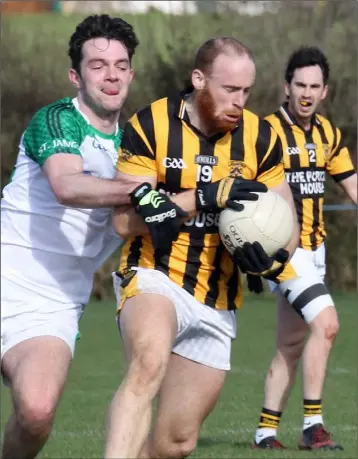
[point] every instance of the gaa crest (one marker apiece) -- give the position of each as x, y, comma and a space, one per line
125, 154
236, 168
326, 151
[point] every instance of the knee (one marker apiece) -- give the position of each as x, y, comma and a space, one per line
330, 331
146, 371
326, 325
290, 352
36, 414
177, 446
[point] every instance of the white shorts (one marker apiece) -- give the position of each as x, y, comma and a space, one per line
204, 333
26, 314
307, 293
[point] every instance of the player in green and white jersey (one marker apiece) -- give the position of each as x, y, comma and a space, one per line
56, 226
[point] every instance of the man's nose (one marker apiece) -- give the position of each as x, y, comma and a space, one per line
112, 73
239, 100
306, 92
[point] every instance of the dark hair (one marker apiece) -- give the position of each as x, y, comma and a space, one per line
208, 52
101, 26
307, 56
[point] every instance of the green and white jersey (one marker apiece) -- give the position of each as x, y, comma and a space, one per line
65, 245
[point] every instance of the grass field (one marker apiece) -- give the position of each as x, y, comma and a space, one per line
228, 432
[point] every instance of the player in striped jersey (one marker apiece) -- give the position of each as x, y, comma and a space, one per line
312, 147
177, 303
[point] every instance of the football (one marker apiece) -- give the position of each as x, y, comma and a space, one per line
268, 220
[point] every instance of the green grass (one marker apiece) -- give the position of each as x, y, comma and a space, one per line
228, 432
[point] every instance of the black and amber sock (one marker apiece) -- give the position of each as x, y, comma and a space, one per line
312, 407
269, 419
312, 413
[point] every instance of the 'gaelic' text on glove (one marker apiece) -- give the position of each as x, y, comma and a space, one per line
226, 193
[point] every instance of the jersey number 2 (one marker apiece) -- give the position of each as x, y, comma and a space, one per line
312, 155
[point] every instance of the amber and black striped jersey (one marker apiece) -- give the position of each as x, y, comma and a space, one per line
160, 141
308, 155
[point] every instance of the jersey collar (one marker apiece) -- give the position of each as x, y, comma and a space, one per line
179, 104
291, 120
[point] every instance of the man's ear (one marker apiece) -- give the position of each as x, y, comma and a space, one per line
198, 79
75, 78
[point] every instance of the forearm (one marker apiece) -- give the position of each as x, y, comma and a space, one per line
295, 239
80, 190
186, 200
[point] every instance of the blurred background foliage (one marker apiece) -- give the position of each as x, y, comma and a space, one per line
34, 66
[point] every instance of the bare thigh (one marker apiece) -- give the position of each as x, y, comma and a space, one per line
37, 369
148, 327
147, 322
188, 394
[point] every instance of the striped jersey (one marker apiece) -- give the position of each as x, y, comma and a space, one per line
308, 156
159, 141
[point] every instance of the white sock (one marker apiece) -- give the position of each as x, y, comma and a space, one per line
309, 421
264, 432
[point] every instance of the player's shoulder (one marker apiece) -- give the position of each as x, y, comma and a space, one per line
260, 127
63, 108
158, 108
325, 122
254, 120
273, 119
250, 117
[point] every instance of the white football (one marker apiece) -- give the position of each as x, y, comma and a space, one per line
268, 220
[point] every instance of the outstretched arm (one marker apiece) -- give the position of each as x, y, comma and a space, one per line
74, 188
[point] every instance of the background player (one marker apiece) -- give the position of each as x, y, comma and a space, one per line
312, 147
177, 304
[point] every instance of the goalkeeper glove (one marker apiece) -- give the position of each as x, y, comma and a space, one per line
226, 192
162, 216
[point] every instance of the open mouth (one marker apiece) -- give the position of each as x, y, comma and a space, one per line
305, 103
232, 117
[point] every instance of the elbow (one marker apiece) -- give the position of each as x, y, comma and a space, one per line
120, 224
122, 231
64, 195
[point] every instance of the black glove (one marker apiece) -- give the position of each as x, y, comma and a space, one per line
162, 216
254, 283
226, 193
252, 259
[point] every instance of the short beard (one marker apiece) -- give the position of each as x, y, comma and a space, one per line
96, 107
206, 106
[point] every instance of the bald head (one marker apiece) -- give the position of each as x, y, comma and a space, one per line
222, 79
211, 49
